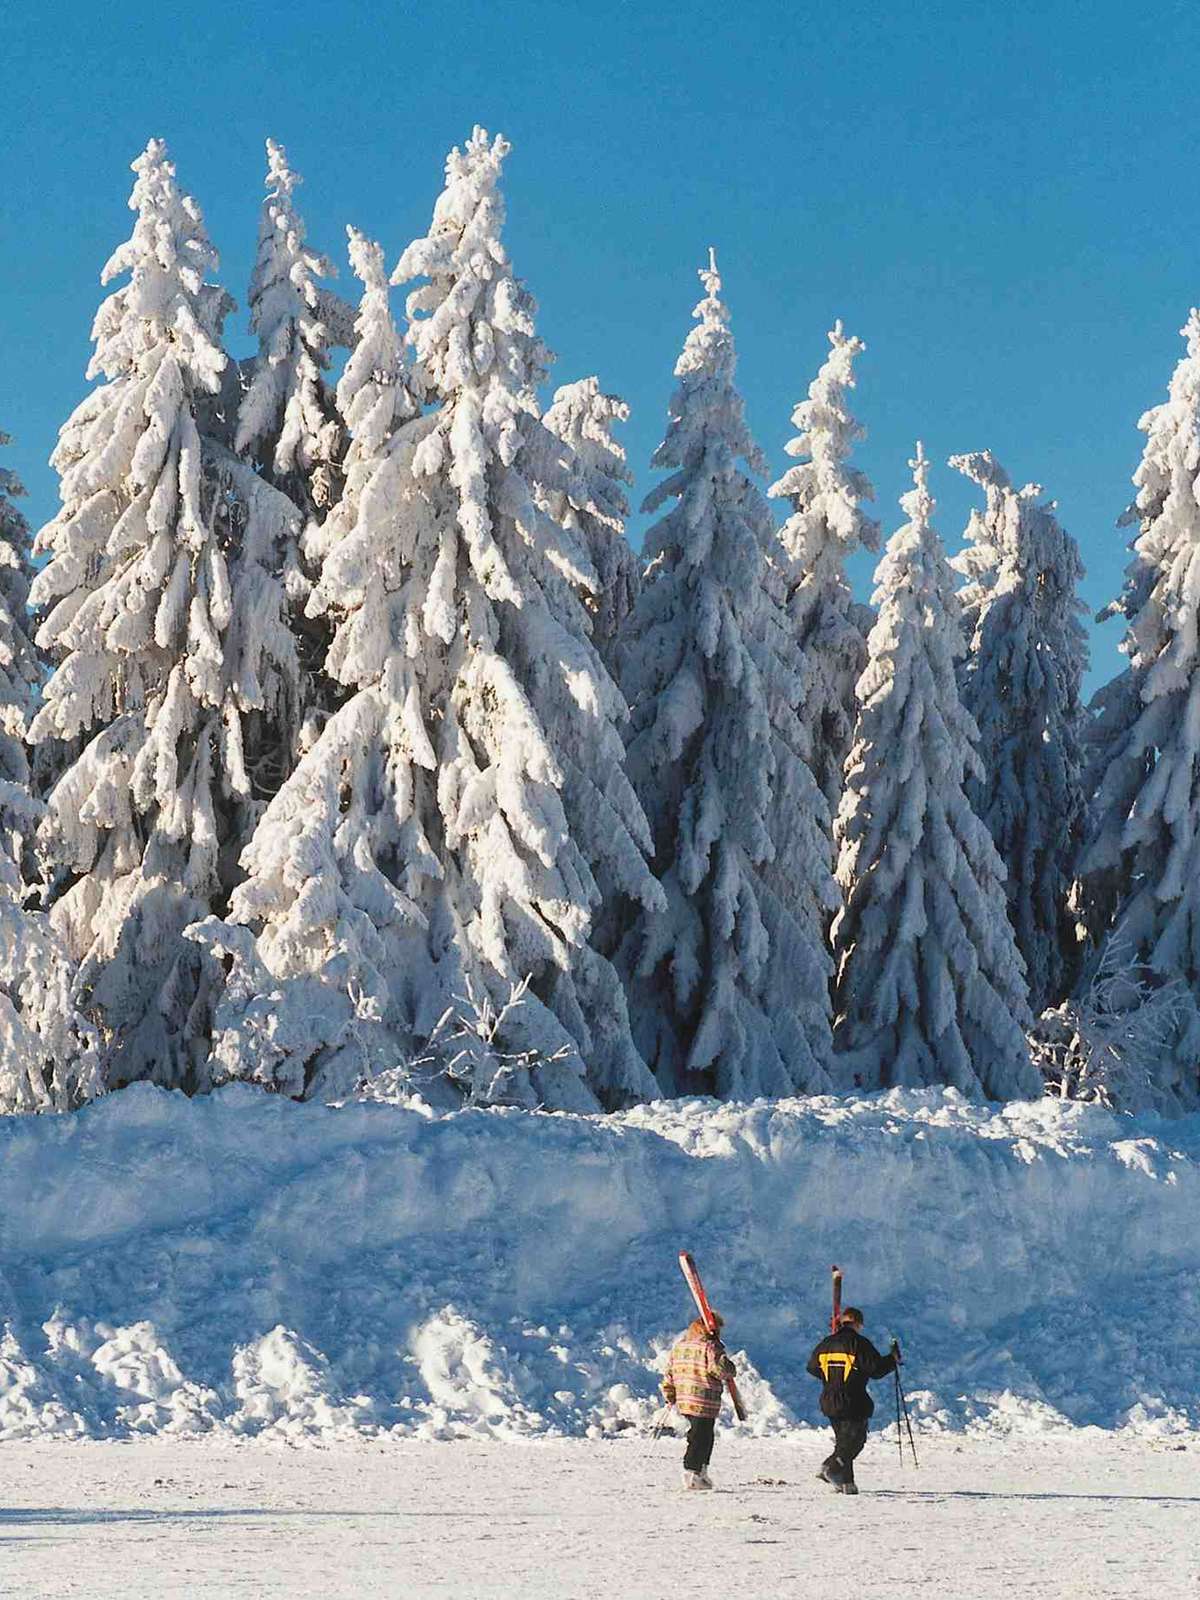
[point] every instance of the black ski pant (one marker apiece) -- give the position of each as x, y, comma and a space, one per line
699, 1443
849, 1437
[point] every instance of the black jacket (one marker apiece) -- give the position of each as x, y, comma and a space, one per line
845, 1364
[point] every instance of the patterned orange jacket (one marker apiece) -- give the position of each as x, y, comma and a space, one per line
696, 1371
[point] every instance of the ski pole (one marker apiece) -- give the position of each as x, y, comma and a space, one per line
900, 1395
899, 1433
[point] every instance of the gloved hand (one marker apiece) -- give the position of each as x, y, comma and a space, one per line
896, 1352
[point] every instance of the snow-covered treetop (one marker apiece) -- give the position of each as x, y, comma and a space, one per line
914, 563
286, 413
705, 408
472, 320
979, 558
374, 394
168, 257
583, 415
1017, 541
1165, 510
596, 506
827, 494
129, 462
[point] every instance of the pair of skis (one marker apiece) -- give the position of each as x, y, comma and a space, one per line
688, 1267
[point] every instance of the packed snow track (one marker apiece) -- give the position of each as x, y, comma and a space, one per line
1092, 1515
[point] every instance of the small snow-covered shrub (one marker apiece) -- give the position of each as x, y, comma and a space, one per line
1105, 1047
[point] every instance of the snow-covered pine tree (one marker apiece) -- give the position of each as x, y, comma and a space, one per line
434, 848
331, 944
930, 987
1020, 680
163, 606
583, 416
47, 1056
826, 526
1142, 864
729, 988
540, 820
288, 421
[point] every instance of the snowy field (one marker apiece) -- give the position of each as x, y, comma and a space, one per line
572, 1519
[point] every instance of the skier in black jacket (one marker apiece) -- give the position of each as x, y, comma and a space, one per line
845, 1364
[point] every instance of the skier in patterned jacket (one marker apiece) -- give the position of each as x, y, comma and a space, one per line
694, 1382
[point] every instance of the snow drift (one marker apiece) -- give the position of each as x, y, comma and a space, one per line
242, 1264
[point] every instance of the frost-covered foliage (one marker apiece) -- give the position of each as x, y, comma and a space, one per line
826, 526
325, 979
1020, 680
930, 984
47, 1056
541, 824
583, 416
176, 671
1142, 864
465, 1052
704, 668
49, 1060
287, 421
1107, 1045
451, 830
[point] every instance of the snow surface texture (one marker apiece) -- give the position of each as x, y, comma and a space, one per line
1090, 1515
243, 1265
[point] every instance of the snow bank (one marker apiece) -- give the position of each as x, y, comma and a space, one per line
240, 1264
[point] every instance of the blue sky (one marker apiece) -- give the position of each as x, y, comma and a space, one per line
1000, 198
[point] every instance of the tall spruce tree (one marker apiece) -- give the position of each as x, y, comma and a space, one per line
1142, 864
163, 606
930, 984
826, 526
540, 817
729, 988
332, 942
1020, 680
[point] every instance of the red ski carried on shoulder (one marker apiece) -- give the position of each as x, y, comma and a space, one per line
688, 1267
